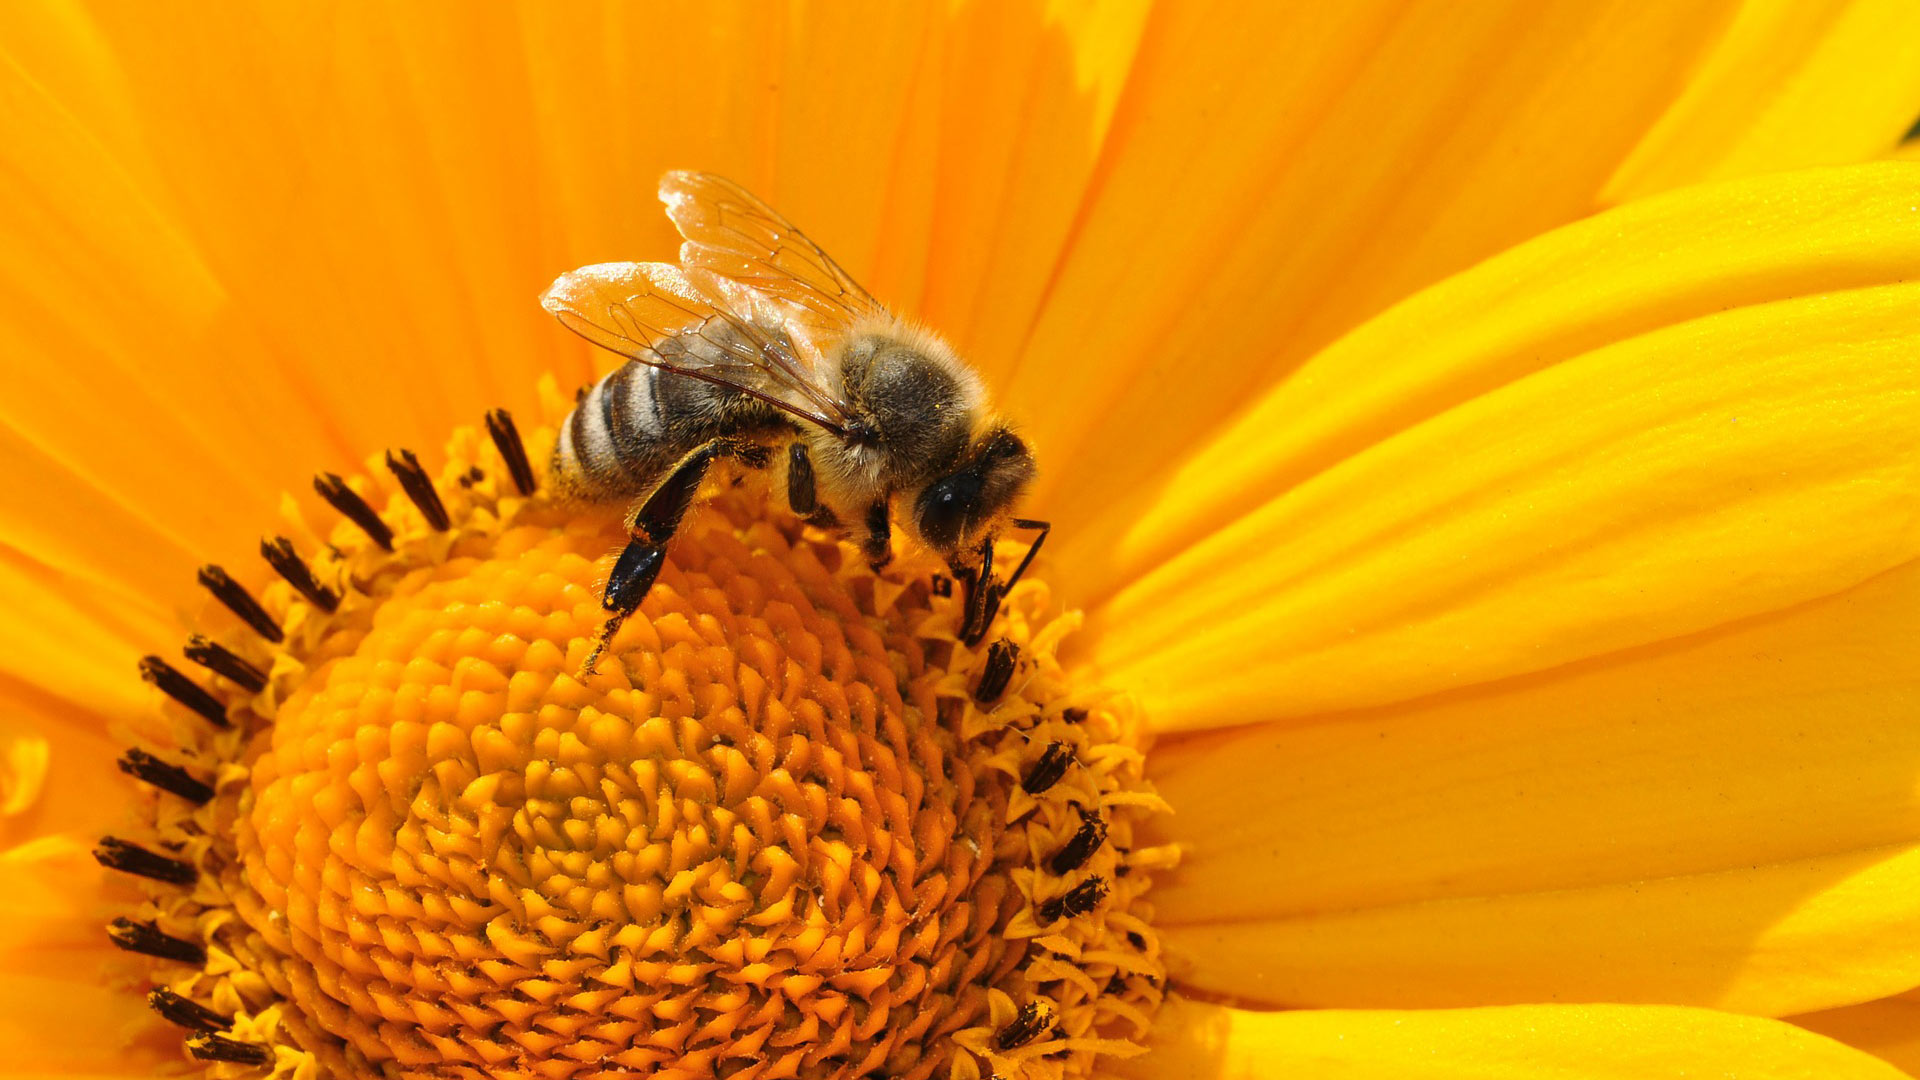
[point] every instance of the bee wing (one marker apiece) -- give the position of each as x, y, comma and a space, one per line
659, 315
734, 235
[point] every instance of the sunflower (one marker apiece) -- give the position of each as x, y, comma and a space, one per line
1482, 444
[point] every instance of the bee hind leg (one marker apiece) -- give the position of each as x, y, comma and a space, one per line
652, 524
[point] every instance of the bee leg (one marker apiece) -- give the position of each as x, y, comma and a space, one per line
803, 495
878, 543
1045, 529
652, 525
979, 599
984, 594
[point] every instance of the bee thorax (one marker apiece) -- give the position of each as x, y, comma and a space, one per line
919, 404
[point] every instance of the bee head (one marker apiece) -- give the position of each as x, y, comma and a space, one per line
955, 509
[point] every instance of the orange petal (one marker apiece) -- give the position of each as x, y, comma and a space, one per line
67, 1025
1789, 84
244, 255
55, 969
1010, 118
1635, 428
1197, 1041
63, 778
1728, 820
1888, 1029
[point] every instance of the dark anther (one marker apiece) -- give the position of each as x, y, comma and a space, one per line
1136, 939
164, 775
206, 1046
146, 939
1036, 1018
996, 672
241, 603
1049, 769
506, 438
472, 476
186, 1012
419, 487
1074, 716
221, 660
288, 564
128, 858
1076, 901
348, 501
941, 585
1080, 847
182, 689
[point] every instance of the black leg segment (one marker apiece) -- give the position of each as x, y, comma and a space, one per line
661, 514
633, 574
1045, 529
878, 543
976, 595
802, 493
653, 524
983, 594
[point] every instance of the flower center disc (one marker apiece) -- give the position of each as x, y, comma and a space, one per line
790, 827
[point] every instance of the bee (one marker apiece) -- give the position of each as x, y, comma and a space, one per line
758, 349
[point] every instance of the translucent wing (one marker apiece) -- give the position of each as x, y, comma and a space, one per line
661, 316
730, 233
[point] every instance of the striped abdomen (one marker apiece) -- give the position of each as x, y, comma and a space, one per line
628, 430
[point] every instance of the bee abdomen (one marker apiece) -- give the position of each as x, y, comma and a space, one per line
636, 423
611, 442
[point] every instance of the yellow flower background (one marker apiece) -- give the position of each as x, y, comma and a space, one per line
1482, 437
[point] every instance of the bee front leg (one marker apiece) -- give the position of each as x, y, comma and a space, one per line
652, 524
983, 594
878, 543
978, 600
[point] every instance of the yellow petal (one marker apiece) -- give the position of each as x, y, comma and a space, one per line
1888, 1029
1275, 177
1728, 820
1197, 1041
1791, 83
1769, 940
1676, 415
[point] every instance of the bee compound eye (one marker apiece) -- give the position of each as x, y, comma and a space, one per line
944, 508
